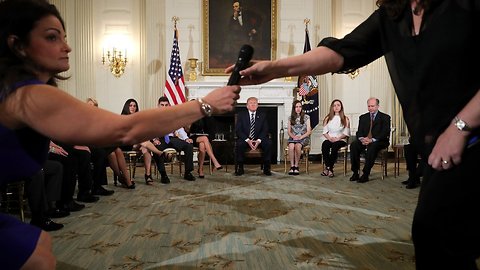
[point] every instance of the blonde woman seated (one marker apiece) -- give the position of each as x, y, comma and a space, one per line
299, 130
146, 147
196, 130
336, 130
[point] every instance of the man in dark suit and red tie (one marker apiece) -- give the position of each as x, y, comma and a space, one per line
373, 135
252, 133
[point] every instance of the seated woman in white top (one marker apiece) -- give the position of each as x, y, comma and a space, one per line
299, 130
336, 130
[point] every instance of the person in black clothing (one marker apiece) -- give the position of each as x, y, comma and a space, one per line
43, 190
440, 97
373, 135
177, 140
198, 132
415, 165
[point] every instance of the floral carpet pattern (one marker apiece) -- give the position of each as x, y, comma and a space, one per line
247, 222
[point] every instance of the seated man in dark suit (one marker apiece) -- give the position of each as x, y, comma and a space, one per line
252, 133
373, 135
178, 140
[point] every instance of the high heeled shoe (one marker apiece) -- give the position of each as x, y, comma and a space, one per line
200, 175
219, 168
148, 180
123, 180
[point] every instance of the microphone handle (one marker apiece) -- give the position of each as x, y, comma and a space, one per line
234, 77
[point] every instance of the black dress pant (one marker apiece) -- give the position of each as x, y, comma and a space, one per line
356, 148
179, 145
330, 152
43, 189
242, 146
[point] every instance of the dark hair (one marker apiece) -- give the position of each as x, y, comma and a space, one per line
163, 99
331, 114
126, 106
293, 115
18, 17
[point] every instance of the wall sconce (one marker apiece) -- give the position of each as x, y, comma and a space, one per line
115, 60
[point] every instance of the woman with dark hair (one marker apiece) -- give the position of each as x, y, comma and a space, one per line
146, 147
336, 130
299, 131
436, 81
33, 52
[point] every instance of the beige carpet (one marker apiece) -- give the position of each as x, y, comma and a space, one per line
247, 222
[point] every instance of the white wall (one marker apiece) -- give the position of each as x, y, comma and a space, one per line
148, 30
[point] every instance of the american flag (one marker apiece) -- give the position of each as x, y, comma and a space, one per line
310, 103
175, 84
303, 90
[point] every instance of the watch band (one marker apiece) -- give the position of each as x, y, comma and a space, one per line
206, 108
461, 125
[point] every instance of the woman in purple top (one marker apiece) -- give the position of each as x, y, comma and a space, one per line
33, 51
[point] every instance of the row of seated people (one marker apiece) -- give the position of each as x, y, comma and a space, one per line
252, 129
68, 163
50, 193
373, 134
178, 140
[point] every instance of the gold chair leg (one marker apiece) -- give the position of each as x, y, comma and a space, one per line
306, 163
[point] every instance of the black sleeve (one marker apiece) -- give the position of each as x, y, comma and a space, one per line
360, 47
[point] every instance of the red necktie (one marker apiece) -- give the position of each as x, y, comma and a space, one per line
371, 124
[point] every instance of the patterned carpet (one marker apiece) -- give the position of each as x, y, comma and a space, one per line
248, 222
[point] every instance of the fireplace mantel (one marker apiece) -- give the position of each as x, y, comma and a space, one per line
277, 93
268, 93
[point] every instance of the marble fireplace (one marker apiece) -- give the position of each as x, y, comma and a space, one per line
273, 97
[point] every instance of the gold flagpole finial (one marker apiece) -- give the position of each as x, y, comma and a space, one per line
306, 21
175, 19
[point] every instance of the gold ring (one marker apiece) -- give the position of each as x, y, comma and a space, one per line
445, 162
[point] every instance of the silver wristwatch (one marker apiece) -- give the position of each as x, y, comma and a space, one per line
206, 108
460, 124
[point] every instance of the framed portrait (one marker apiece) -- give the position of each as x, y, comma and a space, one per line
228, 25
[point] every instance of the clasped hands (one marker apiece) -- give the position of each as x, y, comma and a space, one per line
366, 140
253, 144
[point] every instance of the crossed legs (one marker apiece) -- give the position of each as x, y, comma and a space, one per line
204, 147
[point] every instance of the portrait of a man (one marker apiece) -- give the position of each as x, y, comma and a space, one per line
231, 24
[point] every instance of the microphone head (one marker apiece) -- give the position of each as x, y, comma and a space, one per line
245, 54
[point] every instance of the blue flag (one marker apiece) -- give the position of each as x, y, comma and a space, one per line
307, 89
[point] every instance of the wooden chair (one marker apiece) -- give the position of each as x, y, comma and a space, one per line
13, 198
131, 158
382, 157
207, 159
304, 157
173, 160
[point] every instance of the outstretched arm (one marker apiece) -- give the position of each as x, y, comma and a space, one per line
320, 60
74, 122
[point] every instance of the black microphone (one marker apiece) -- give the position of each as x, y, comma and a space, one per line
244, 57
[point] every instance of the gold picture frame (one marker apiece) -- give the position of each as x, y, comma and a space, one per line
223, 35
